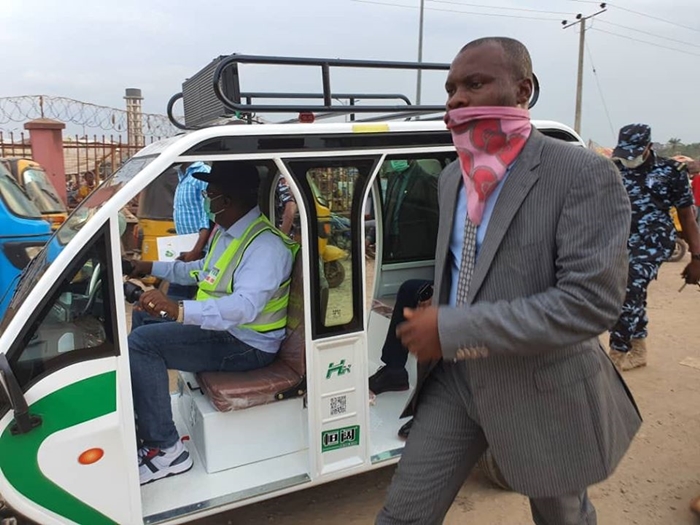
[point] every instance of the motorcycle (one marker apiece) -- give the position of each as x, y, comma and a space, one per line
681, 248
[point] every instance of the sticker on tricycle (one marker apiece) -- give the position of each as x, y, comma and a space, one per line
340, 438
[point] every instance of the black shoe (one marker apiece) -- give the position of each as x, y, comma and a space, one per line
405, 429
388, 379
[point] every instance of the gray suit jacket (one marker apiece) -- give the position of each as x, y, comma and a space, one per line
550, 277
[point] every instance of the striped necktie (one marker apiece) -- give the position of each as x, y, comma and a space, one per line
466, 268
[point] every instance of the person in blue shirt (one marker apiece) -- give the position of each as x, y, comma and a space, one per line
236, 323
188, 207
190, 217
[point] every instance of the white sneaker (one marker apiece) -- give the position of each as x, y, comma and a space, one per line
155, 463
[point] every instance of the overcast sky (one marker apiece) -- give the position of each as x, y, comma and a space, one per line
92, 50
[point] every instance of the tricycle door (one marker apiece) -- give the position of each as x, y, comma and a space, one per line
75, 462
336, 345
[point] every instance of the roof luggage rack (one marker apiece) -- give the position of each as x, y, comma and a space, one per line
213, 95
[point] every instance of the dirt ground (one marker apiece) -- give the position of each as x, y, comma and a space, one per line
652, 486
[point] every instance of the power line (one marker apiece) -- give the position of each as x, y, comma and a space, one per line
476, 13
645, 42
600, 91
649, 33
502, 8
654, 17
646, 15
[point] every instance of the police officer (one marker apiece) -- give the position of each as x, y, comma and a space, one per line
654, 185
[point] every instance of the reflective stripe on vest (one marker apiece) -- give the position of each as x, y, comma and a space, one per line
219, 280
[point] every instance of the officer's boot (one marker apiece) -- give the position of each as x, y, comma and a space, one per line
619, 359
637, 356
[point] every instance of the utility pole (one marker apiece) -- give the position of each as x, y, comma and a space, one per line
581, 21
420, 50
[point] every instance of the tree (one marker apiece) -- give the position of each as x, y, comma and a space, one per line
674, 144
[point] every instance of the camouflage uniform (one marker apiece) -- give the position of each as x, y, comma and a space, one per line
653, 189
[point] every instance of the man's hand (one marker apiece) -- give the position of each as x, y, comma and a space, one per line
141, 268
420, 333
691, 273
192, 255
154, 302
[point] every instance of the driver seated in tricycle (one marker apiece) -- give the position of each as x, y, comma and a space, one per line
235, 324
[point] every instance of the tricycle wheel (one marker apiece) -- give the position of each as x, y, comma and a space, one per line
335, 273
488, 466
678, 251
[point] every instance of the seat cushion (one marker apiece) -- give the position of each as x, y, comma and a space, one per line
238, 390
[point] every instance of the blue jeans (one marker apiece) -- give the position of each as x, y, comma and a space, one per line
156, 348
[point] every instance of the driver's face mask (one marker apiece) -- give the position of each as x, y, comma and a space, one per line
207, 206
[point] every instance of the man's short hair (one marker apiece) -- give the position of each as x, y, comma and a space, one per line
515, 52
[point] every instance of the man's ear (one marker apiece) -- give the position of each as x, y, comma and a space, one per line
525, 89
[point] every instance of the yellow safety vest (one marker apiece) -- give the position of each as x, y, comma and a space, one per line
219, 280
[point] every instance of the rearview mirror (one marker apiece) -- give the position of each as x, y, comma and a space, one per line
24, 421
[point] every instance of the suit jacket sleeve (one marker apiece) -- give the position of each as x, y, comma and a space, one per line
591, 276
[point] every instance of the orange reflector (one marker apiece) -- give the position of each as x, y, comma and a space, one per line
90, 456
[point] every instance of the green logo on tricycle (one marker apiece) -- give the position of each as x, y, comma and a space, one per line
340, 438
340, 369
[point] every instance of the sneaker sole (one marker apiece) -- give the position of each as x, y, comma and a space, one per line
174, 471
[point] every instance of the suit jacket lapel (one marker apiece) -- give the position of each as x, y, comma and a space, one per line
515, 188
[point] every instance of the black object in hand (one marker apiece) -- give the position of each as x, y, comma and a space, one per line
127, 267
425, 292
132, 292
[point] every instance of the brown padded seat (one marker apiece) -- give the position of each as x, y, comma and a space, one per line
238, 390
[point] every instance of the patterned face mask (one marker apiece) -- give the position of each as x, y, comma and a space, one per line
488, 140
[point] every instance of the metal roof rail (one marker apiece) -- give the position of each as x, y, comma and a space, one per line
215, 92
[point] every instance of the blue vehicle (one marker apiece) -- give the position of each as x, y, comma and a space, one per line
23, 233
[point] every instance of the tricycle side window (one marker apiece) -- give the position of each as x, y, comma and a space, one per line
75, 322
333, 190
408, 184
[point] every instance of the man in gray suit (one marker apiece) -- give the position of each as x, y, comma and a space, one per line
531, 266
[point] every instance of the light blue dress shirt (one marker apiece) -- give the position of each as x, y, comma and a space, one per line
266, 263
457, 238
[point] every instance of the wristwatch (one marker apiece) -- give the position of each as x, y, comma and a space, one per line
180, 312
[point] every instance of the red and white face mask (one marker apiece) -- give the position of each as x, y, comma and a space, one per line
488, 139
